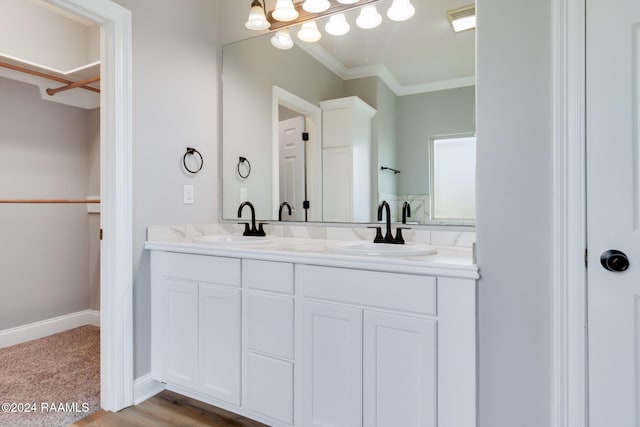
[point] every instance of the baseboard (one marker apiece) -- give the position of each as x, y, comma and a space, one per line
44, 328
146, 387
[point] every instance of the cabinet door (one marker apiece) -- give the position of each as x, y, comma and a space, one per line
399, 359
332, 371
181, 333
219, 314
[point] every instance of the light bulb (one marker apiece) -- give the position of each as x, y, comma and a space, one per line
401, 10
282, 39
369, 17
337, 25
257, 20
285, 11
309, 32
316, 6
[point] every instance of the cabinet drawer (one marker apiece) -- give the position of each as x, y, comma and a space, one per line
396, 291
270, 387
200, 268
270, 327
268, 275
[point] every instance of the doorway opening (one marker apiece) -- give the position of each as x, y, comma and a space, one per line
116, 356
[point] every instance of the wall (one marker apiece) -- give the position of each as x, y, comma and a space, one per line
514, 195
44, 255
376, 93
93, 191
175, 105
422, 116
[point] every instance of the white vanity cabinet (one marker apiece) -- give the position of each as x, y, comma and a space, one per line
269, 339
196, 318
369, 348
308, 342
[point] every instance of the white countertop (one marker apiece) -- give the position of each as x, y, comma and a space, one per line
448, 261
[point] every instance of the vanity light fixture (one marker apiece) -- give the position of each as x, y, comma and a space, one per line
282, 39
463, 19
401, 10
288, 13
316, 6
257, 19
285, 11
337, 25
309, 32
369, 17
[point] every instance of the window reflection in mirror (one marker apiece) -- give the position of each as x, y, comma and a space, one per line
453, 179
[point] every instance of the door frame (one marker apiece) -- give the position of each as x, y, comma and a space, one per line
116, 260
569, 354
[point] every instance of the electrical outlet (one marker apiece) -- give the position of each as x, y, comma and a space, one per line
243, 195
188, 194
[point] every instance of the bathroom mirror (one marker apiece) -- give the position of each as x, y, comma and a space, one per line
282, 111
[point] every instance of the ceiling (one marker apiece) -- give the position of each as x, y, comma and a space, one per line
420, 52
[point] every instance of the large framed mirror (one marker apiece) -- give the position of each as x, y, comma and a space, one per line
331, 128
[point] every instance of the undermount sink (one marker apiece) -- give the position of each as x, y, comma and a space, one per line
381, 249
232, 239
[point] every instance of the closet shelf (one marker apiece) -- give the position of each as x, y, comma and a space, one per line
40, 201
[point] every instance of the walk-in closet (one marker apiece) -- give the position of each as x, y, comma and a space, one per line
49, 214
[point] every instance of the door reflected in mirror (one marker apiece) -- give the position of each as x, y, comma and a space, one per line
415, 77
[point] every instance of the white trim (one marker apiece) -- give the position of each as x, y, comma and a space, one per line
44, 328
116, 260
569, 222
379, 70
146, 387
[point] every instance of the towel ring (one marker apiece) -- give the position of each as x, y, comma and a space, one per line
190, 152
241, 161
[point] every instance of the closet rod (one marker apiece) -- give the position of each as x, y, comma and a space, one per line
81, 83
44, 76
58, 201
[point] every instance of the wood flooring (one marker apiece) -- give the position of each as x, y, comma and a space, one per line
167, 409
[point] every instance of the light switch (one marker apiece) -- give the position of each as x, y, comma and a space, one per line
243, 195
188, 194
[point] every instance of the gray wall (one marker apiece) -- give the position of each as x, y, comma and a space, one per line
514, 192
45, 250
93, 185
175, 105
421, 117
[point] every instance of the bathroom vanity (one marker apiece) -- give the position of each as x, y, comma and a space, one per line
290, 333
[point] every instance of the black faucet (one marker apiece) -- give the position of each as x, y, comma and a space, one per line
251, 231
406, 211
282, 205
388, 237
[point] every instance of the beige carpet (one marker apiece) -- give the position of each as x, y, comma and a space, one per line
52, 381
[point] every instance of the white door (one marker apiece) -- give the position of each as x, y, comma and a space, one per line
613, 211
292, 168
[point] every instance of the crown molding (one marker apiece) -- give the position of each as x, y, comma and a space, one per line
380, 71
